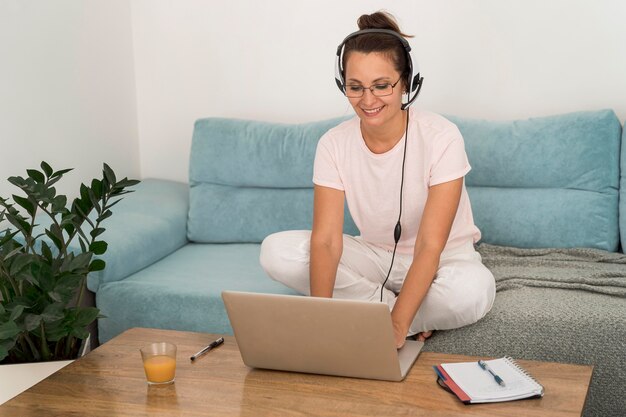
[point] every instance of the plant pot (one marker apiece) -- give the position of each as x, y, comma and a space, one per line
16, 378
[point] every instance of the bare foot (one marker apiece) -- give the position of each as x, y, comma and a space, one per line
423, 336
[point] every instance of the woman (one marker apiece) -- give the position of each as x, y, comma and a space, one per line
394, 165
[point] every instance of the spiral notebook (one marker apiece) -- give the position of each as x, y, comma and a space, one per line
473, 384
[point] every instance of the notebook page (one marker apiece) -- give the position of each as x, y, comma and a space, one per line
480, 385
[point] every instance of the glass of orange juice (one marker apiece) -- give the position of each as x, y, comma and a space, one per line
159, 362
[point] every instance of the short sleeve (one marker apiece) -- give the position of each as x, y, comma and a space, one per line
325, 170
450, 160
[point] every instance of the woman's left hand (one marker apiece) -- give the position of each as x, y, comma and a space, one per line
399, 334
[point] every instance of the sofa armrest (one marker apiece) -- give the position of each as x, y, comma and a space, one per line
146, 225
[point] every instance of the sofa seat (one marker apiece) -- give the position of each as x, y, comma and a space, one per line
183, 291
558, 325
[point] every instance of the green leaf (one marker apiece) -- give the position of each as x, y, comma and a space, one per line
108, 174
5, 347
2, 310
96, 186
18, 221
81, 261
79, 333
46, 252
94, 200
47, 169
86, 316
17, 181
84, 192
113, 203
97, 232
8, 236
52, 181
31, 278
32, 321
8, 330
98, 247
54, 295
17, 311
82, 209
56, 331
105, 215
20, 262
67, 222
97, 265
67, 284
52, 312
68, 218
44, 274
57, 242
59, 204
83, 245
36, 175
14, 252
125, 183
61, 172
26, 204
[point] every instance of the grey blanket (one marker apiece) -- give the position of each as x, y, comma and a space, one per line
578, 268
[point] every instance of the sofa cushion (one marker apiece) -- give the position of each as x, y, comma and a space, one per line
183, 291
136, 237
545, 182
249, 179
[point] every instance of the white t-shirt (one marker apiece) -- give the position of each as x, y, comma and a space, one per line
371, 182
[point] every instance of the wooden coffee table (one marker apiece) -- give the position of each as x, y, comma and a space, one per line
110, 381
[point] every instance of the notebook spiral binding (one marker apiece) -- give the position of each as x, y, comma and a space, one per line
522, 371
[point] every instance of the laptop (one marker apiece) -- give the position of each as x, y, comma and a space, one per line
325, 336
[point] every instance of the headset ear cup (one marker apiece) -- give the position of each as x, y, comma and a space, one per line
340, 86
338, 70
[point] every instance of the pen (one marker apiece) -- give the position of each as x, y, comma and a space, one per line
486, 367
212, 345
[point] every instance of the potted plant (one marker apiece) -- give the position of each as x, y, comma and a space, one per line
43, 271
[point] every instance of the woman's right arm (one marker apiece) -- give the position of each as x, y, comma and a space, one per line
326, 239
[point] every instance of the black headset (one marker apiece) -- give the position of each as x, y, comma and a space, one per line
414, 80
414, 85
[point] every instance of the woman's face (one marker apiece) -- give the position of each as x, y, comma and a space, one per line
369, 69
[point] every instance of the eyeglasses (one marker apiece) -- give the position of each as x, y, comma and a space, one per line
379, 90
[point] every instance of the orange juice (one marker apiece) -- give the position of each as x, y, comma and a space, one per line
160, 368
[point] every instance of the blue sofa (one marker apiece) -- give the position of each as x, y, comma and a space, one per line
550, 182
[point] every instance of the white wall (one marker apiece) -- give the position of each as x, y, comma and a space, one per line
76, 92
273, 60
67, 89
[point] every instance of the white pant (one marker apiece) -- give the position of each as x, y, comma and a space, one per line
461, 293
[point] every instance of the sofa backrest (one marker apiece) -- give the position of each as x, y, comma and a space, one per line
542, 182
249, 179
545, 182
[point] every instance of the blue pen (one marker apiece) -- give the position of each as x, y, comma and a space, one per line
486, 367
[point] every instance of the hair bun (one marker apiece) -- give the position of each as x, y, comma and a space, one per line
379, 20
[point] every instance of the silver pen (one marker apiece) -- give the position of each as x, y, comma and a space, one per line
486, 367
212, 345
